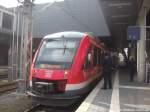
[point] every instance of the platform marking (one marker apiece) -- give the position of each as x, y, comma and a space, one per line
136, 108
115, 103
107, 104
88, 101
134, 87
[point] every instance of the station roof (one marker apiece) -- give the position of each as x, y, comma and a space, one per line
120, 14
105, 18
70, 15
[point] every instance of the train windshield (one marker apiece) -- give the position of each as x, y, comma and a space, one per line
56, 53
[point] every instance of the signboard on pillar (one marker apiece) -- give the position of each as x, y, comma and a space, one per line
133, 33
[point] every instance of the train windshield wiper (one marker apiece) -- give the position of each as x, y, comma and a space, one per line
64, 49
64, 44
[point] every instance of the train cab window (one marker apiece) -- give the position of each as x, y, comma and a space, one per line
58, 53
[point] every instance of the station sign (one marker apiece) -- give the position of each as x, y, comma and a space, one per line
133, 33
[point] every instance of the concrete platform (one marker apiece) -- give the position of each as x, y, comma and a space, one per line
124, 97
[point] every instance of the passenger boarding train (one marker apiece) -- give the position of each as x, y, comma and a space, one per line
65, 67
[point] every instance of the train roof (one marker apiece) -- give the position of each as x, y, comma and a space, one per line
68, 34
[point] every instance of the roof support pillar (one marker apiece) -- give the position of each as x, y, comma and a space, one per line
141, 47
1, 19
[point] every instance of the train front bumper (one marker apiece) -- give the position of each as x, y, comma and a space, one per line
61, 99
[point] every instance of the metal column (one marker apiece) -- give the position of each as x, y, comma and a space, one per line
26, 44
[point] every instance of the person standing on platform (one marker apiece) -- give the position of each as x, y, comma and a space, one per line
107, 70
132, 68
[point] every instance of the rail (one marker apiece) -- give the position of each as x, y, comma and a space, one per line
4, 87
3, 77
5, 67
3, 72
34, 108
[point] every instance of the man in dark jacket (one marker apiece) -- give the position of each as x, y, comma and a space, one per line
132, 68
107, 70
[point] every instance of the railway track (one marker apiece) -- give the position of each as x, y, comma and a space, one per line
41, 108
3, 77
8, 86
3, 72
34, 108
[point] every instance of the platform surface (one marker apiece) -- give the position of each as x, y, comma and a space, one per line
125, 96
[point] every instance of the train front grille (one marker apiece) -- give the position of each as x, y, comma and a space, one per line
44, 86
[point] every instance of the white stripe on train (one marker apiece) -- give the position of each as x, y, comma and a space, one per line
81, 85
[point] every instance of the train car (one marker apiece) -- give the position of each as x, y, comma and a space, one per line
65, 67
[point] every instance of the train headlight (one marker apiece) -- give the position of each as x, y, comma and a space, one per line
65, 74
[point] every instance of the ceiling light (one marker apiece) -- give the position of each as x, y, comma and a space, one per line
121, 23
119, 4
119, 16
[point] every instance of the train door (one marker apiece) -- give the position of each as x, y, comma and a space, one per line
88, 64
100, 58
95, 61
95, 67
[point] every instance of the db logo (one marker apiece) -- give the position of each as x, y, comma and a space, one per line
48, 73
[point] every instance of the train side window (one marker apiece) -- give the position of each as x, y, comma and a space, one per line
95, 57
87, 63
99, 56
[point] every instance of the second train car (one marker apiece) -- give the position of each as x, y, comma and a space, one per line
65, 67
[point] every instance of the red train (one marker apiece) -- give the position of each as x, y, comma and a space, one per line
65, 67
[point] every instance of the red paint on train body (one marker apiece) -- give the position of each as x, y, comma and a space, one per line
65, 66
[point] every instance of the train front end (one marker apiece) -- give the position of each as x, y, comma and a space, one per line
50, 71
